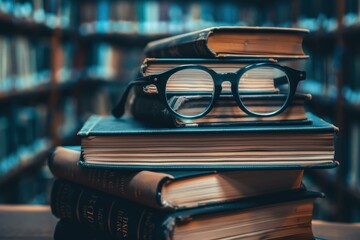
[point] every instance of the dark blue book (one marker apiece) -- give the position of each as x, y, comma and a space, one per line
126, 144
285, 215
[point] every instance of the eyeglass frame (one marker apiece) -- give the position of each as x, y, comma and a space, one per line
160, 80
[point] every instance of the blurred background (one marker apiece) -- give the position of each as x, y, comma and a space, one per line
61, 61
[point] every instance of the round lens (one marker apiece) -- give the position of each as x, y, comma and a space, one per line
264, 90
189, 92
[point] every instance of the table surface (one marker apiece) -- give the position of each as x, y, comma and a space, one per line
36, 222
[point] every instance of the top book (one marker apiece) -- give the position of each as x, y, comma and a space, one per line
270, 42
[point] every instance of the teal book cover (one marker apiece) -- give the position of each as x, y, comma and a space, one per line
127, 144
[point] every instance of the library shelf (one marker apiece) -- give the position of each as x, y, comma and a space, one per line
123, 38
93, 81
320, 41
48, 88
36, 158
324, 41
352, 33
330, 184
33, 29
324, 104
11, 23
39, 90
26, 163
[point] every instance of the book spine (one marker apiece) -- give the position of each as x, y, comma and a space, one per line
143, 187
67, 230
185, 46
151, 110
100, 212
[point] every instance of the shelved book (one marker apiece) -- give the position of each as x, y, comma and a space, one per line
127, 144
279, 215
173, 189
231, 42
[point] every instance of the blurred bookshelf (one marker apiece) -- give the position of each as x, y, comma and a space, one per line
61, 61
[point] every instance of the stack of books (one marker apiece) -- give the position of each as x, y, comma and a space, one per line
199, 158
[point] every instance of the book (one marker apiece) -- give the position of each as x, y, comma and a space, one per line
151, 110
157, 65
231, 42
128, 144
280, 215
146, 105
67, 230
172, 189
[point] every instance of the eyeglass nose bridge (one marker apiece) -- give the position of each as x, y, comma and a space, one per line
227, 76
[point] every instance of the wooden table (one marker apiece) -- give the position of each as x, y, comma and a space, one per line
36, 222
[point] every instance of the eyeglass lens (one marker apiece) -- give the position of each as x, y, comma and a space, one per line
264, 90
189, 92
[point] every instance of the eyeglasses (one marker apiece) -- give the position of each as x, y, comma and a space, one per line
190, 91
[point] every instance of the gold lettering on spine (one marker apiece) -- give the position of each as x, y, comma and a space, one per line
122, 224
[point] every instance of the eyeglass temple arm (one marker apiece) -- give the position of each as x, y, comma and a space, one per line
119, 109
298, 75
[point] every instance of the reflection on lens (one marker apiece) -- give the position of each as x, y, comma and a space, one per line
264, 90
189, 92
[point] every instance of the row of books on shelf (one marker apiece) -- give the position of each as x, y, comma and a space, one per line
22, 126
153, 17
24, 156
149, 17
112, 62
25, 130
51, 13
24, 63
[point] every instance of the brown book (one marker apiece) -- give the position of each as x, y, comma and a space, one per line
285, 215
173, 189
152, 111
215, 42
147, 107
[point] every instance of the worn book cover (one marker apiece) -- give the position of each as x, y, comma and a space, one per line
279, 215
147, 106
274, 42
128, 144
173, 189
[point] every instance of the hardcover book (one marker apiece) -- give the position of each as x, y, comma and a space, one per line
146, 105
151, 110
231, 42
280, 215
185, 79
127, 144
173, 189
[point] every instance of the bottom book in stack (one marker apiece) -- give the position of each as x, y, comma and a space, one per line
111, 204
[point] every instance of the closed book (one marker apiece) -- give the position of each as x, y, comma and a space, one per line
151, 110
128, 144
227, 41
281, 215
173, 189
147, 106
68, 230
186, 79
